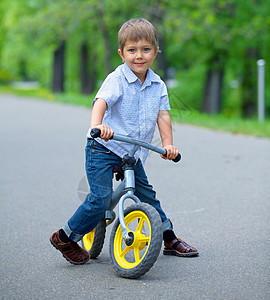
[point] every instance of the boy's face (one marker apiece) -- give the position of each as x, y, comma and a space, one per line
138, 56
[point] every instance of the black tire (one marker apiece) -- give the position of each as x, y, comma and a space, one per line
146, 244
93, 244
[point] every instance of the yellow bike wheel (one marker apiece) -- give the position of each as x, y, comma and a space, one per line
94, 240
133, 259
88, 240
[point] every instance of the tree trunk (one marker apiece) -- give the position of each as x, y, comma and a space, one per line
161, 58
59, 68
88, 79
213, 87
93, 73
106, 38
84, 71
249, 86
23, 70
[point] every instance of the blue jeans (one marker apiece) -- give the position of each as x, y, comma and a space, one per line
99, 169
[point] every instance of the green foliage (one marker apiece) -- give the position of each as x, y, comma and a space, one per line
194, 33
189, 89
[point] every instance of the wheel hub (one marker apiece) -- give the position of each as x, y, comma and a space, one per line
129, 241
136, 240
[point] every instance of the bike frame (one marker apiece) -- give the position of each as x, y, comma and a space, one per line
126, 189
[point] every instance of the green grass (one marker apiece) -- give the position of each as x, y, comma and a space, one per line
234, 125
224, 123
74, 99
37, 93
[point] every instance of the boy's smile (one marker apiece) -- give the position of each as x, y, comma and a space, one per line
138, 56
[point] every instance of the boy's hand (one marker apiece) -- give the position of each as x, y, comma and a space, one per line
106, 132
172, 152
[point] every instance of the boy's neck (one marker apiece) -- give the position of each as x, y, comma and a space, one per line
142, 77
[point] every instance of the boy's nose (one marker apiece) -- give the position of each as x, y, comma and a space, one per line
139, 54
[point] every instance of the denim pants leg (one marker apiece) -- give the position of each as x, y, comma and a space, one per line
144, 191
99, 169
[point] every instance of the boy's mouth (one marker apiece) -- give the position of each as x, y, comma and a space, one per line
139, 64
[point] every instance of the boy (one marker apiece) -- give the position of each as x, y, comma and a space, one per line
131, 101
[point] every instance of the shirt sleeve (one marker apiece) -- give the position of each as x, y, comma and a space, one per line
164, 100
110, 90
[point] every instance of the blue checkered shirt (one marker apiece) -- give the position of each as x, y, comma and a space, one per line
132, 108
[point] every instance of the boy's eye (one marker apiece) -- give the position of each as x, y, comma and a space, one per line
131, 50
146, 49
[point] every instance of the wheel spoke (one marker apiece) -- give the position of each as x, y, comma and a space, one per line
140, 225
125, 251
136, 254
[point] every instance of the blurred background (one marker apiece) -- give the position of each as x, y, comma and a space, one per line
209, 50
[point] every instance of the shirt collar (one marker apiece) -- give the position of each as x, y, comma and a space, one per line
151, 77
131, 77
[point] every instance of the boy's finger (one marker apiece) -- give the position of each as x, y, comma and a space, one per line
172, 154
106, 133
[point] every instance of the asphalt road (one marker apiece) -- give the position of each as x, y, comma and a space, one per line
217, 197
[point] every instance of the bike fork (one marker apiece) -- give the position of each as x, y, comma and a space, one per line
129, 195
128, 167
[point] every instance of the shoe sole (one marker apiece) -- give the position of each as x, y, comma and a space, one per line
175, 253
70, 261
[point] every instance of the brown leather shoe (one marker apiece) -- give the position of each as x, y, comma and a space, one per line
179, 248
71, 251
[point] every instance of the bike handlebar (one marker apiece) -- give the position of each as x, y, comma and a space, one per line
95, 133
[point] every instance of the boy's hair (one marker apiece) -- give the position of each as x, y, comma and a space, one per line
135, 30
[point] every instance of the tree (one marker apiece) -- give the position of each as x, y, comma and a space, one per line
253, 40
88, 77
217, 34
59, 68
212, 97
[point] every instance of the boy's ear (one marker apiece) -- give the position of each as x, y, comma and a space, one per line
157, 52
121, 54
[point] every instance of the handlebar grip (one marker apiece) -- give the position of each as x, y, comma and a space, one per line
95, 132
178, 158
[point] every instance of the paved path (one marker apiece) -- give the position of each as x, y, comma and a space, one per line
218, 198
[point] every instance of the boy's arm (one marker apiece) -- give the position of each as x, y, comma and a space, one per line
98, 112
165, 131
